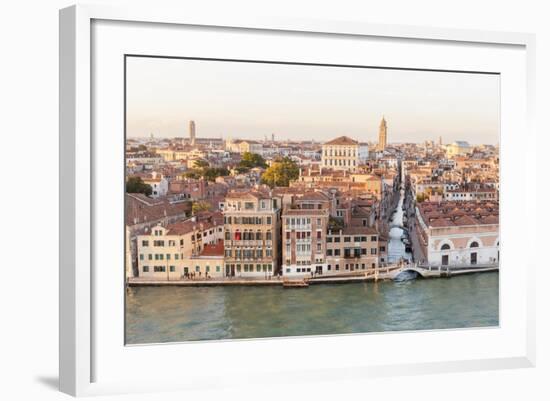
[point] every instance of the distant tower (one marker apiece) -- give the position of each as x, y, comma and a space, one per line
192, 132
382, 135
440, 142
272, 137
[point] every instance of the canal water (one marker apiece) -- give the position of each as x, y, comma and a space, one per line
396, 247
172, 314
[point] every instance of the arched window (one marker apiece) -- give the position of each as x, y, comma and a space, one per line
445, 247
474, 244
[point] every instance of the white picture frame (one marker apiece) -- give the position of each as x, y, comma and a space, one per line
80, 374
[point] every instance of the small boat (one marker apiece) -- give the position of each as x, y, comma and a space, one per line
295, 284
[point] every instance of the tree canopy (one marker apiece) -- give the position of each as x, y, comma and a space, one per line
249, 161
281, 173
136, 185
200, 206
202, 169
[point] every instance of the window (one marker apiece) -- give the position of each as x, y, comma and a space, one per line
159, 269
227, 235
207, 269
258, 268
337, 252
145, 269
144, 243
158, 243
318, 234
329, 239
474, 244
176, 256
445, 247
167, 256
373, 238
337, 267
197, 269
268, 236
373, 251
218, 269
181, 242
150, 257
336, 239
172, 269
141, 256
268, 220
356, 239
248, 205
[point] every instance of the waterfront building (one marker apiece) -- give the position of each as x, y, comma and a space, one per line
452, 233
207, 264
252, 233
341, 153
352, 249
382, 135
162, 250
304, 229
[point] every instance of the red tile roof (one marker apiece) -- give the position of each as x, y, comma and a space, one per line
342, 140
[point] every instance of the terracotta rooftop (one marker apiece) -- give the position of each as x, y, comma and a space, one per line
213, 250
342, 140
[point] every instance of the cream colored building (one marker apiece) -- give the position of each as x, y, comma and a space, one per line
458, 148
209, 264
242, 146
162, 251
251, 234
341, 153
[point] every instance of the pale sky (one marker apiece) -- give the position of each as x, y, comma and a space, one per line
252, 100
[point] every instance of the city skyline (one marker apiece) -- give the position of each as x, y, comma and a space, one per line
308, 102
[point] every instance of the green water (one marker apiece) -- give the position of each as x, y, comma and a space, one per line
168, 314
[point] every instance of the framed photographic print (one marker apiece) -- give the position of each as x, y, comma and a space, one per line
238, 193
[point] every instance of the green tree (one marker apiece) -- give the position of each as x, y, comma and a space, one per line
421, 197
212, 173
281, 173
250, 160
200, 206
201, 164
136, 185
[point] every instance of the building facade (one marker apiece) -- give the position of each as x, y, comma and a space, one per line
252, 234
340, 154
304, 241
352, 249
161, 252
458, 233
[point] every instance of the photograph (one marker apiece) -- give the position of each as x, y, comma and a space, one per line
268, 199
